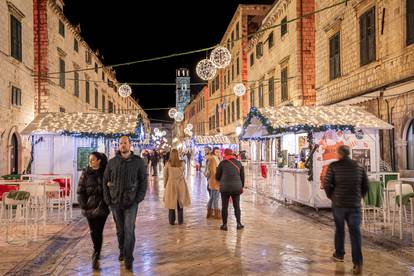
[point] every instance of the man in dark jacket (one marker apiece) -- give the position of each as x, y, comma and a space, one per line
345, 184
125, 185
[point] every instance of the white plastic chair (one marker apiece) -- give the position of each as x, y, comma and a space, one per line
21, 213
54, 198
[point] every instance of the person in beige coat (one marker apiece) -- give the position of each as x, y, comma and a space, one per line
213, 209
176, 194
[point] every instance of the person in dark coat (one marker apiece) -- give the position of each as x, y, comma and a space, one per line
346, 183
90, 199
154, 162
230, 175
125, 185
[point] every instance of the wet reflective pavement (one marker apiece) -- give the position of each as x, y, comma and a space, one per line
275, 241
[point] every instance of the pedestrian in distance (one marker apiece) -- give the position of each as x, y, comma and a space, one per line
230, 175
346, 183
176, 194
213, 209
125, 185
91, 201
154, 163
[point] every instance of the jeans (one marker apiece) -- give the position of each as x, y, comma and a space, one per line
213, 203
125, 230
154, 169
96, 227
225, 205
352, 216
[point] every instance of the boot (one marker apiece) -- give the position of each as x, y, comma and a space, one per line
217, 213
209, 213
180, 212
171, 216
95, 261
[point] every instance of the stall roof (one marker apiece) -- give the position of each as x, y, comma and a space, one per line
83, 123
286, 117
212, 140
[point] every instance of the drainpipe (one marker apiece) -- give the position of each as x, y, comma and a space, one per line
301, 52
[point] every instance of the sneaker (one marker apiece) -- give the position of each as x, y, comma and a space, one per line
357, 270
337, 258
240, 226
223, 227
121, 257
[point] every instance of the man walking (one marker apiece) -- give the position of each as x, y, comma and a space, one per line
125, 185
345, 184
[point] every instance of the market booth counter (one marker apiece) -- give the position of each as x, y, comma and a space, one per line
61, 142
300, 143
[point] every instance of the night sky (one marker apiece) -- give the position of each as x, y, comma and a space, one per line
132, 30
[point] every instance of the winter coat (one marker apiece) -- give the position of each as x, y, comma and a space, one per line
230, 178
125, 181
346, 183
176, 189
90, 194
212, 168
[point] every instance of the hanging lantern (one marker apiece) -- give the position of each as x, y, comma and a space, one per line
239, 89
179, 117
189, 126
220, 57
206, 70
164, 133
156, 130
125, 90
172, 112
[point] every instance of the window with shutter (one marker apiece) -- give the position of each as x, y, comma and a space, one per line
228, 114
16, 96
272, 91
61, 28
284, 85
232, 71
61, 73
270, 40
87, 92
367, 37
238, 108
334, 57
16, 38
251, 59
251, 96
283, 27
76, 84
96, 98
410, 21
232, 112
237, 66
103, 104
261, 95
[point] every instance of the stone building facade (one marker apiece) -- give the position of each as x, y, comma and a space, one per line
38, 46
365, 57
196, 113
225, 110
281, 67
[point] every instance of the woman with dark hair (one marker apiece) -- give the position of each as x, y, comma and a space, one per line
176, 191
90, 198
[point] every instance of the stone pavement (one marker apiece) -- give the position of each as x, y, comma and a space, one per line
276, 241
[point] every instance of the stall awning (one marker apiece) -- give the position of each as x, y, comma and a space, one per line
85, 123
270, 120
212, 140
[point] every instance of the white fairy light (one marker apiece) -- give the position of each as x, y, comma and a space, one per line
239, 89
164, 133
172, 112
206, 69
221, 57
189, 126
238, 130
156, 130
179, 117
125, 90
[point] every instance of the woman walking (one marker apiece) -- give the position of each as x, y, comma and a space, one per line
176, 191
90, 198
213, 209
230, 175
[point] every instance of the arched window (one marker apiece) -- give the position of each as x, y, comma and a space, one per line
14, 155
410, 146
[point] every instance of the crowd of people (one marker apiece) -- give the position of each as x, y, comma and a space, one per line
120, 184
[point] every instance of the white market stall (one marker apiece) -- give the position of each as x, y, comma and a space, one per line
61, 142
290, 137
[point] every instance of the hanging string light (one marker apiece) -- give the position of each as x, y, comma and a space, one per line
239, 89
189, 126
179, 117
221, 57
124, 90
206, 70
172, 113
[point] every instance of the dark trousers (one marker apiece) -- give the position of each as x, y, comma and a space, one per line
125, 229
352, 216
96, 227
225, 197
154, 169
171, 215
